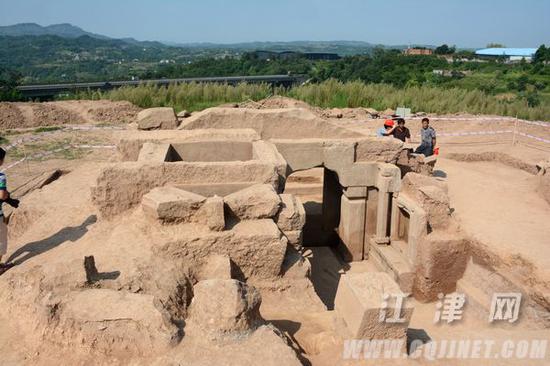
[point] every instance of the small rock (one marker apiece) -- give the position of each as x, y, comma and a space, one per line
183, 114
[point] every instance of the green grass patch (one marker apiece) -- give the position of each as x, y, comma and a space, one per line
442, 99
47, 129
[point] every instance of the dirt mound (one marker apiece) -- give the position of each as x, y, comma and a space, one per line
280, 102
47, 114
29, 115
275, 102
10, 116
117, 112
349, 113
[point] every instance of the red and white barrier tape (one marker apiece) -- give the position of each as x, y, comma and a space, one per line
485, 133
486, 119
540, 139
474, 133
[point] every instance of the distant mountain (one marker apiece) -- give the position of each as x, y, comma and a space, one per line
341, 47
64, 30
275, 44
67, 30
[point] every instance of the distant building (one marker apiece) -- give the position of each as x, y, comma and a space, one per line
451, 73
287, 55
321, 56
418, 51
511, 54
265, 55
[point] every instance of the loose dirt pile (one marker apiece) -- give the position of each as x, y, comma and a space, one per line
280, 102
122, 112
10, 116
45, 114
28, 115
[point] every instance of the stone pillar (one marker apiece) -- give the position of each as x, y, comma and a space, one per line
394, 226
352, 228
372, 209
383, 210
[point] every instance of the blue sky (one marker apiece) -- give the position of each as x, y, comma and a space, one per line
466, 23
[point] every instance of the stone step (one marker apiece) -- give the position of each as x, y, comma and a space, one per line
392, 261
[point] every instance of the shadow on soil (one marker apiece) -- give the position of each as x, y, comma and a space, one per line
35, 248
326, 269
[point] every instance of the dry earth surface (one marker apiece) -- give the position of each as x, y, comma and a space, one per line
492, 188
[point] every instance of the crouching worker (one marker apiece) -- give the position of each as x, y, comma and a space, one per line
387, 130
4, 197
427, 134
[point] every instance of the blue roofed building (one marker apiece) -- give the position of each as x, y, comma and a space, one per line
511, 54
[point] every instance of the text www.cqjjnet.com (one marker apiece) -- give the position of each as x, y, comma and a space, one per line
356, 349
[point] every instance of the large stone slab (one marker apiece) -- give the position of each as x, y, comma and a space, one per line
257, 247
257, 202
170, 204
173, 205
351, 229
359, 301
441, 261
163, 118
292, 123
301, 154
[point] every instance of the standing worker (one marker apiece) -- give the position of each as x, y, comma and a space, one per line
401, 132
4, 197
427, 134
387, 130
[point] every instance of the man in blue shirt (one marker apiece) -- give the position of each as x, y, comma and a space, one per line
427, 134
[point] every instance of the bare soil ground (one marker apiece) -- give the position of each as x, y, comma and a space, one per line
499, 207
496, 204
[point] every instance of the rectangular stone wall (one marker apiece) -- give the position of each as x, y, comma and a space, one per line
208, 151
121, 187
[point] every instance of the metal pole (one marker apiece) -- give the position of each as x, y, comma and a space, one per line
515, 131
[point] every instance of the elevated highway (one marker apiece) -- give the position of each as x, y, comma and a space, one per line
49, 91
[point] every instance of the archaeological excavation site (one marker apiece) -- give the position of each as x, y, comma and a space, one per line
270, 233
